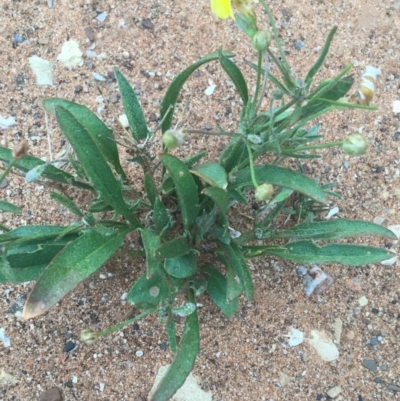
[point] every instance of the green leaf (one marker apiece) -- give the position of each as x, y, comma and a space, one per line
235, 75
182, 266
9, 207
68, 203
98, 206
53, 173
151, 242
132, 107
216, 287
318, 64
192, 160
78, 260
151, 188
171, 333
220, 198
237, 262
167, 106
100, 133
149, 292
212, 173
183, 363
232, 154
25, 261
185, 187
340, 228
160, 215
92, 161
309, 252
176, 247
281, 177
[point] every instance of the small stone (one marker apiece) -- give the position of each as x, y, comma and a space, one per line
125, 54
334, 391
139, 353
393, 387
89, 32
43, 41
354, 284
52, 394
375, 311
370, 364
147, 24
301, 271
17, 305
102, 17
299, 44
373, 341
163, 346
4, 183
379, 220
363, 301
69, 346
378, 380
385, 367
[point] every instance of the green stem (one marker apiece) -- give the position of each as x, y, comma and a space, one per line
211, 133
252, 173
322, 146
255, 100
264, 85
7, 170
125, 323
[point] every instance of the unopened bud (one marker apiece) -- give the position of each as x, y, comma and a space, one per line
261, 41
89, 336
277, 94
355, 145
264, 192
21, 150
172, 139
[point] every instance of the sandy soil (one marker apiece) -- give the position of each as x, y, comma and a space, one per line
247, 357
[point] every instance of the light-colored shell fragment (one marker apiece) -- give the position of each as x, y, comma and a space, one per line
324, 346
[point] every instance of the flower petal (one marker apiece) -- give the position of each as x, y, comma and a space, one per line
222, 8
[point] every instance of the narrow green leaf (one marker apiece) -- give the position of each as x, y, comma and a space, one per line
233, 285
192, 160
160, 215
182, 266
151, 242
340, 228
146, 293
318, 64
235, 75
167, 106
281, 177
78, 260
132, 107
171, 333
176, 247
100, 133
212, 173
236, 260
185, 187
219, 196
216, 287
183, 363
53, 173
309, 252
232, 154
9, 207
68, 203
95, 166
151, 188
99, 206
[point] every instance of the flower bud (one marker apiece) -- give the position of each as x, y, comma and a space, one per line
264, 192
366, 89
277, 94
89, 336
355, 145
21, 150
261, 41
172, 139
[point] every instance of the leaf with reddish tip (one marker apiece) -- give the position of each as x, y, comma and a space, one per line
78, 260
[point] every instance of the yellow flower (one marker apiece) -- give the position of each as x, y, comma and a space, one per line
223, 8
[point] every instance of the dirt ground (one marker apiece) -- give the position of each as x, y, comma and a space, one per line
247, 357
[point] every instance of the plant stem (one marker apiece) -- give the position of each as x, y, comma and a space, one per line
211, 133
264, 85
252, 173
255, 100
322, 146
7, 170
121, 325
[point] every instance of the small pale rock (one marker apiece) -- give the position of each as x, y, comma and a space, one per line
363, 301
7, 122
295, 337
334, 391
102, 17
42, 70
4, 338
324, 346
316, 281
210, 90
396, 229
396, 106
190, 390
332, 212
139, 353
338, 330
52, 394
393, 387
389, 262
350, 335
379, 220
354, 284
71, 55
284, 379
7, 380
123, 119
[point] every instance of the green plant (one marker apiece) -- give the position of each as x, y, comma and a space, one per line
187, 203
